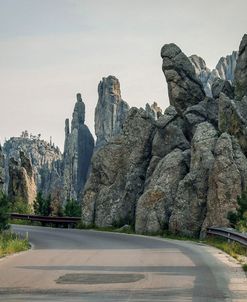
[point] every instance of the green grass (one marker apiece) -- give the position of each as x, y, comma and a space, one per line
244, 267
232, 248
11, 243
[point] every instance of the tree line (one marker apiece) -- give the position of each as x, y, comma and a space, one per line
42, 205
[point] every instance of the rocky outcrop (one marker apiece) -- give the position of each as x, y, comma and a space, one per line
181, 171
154, 111
118, 174
110, 112
240, 81
233, 119
44, 158
190, 204
184, 88
155, 205
78, 150
224, 184
224, 70
203, 72
222, 86
22, 186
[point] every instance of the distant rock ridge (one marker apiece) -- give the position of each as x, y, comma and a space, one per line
154, 110
78, 150
183, 171
224, 70
110, 112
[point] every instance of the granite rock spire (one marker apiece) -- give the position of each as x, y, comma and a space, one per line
78, 150
111, 111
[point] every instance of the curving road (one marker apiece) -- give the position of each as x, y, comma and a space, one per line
79, 265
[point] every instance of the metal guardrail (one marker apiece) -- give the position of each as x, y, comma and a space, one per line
230, 234
46, 219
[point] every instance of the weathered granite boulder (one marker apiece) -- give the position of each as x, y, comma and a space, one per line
189, 208
222, 86
233, 119
22, 184
111, 111
78, 150
183, 86
207, 110
240, 81
154, 207
224, 184
168, 138
118, 174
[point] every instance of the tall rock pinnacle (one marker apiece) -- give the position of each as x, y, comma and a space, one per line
110, 112
78, 150
183, 86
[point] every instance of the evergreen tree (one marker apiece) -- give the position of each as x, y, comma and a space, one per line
238, 219
72, 208
42, 206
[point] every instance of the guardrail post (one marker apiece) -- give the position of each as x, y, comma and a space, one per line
228, 237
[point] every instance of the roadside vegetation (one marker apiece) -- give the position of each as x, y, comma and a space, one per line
9, 242
238, 219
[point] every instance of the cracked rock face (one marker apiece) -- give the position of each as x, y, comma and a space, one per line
22, 184
111, 111
240, 82
78, 150
224, 184
118, 174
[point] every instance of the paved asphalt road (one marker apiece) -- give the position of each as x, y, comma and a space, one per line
79, 265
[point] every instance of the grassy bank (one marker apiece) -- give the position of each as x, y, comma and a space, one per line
11, 243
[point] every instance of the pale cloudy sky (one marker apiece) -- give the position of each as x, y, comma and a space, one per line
52, 49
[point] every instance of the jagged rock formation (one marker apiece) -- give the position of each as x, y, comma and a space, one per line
78, 150
22, 184
224, 70
118, 173
110, 112
154, 111
183, 171
240, 82
43, 160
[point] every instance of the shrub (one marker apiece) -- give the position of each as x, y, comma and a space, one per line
22, 207
238, 219
72, 208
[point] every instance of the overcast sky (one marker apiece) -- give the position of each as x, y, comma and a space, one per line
52, 49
